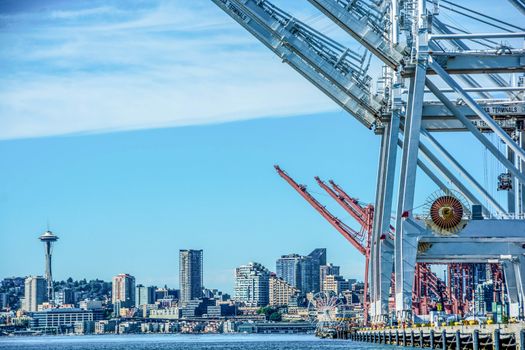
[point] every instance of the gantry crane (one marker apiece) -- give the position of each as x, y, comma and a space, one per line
416, 46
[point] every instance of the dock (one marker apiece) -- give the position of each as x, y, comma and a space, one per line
485, 337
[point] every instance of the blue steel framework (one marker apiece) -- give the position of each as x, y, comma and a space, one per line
417, 48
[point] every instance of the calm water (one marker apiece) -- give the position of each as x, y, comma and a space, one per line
180, 342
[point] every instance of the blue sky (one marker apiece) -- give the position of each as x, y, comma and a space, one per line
141, 128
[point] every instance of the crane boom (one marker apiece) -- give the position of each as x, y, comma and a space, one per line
366, 24
337, 70
354, 211
350, 234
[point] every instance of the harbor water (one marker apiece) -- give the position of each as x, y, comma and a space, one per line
182, 342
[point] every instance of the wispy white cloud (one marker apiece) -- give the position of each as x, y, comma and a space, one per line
94, 66
98, 69
75, 14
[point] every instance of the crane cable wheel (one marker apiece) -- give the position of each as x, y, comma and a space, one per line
447, 212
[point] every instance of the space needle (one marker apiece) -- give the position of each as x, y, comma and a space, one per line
48, 238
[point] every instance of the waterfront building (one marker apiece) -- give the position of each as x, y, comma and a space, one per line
277, 327
252, 283
280, 291
84, 327
105, 326
328, 270
144, 295
171, 313
63, 318
229, 326
302, 272
197, 307
129, 327
190, 274
123, 291
336, 284
150, 327
35, 293
220, 310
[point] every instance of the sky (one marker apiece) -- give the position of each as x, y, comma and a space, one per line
138, 128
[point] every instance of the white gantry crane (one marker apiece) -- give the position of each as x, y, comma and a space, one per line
437, 77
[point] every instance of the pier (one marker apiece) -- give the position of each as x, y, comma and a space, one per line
485, 337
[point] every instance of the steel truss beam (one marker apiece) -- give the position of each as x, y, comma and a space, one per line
356, 22
308, 71
477, 109
475, 63
462, 46
463, 172
482, 241
299, 38
474, 131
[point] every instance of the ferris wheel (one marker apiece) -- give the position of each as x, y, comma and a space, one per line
327, 309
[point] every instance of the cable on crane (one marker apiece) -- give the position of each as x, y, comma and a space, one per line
479, 14
474, 40
462, 29
484, 15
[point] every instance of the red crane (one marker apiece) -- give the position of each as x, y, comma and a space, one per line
363, 215
427, 281
354, 237
349, 233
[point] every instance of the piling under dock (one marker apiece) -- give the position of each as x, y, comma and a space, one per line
486, 337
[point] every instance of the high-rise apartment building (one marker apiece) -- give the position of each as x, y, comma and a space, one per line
190, 275
302, 272
123, 290
35, 292
318, 256
252, 284
280, 291
145, 295
288, 268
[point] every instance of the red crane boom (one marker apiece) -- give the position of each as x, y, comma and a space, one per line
350, 234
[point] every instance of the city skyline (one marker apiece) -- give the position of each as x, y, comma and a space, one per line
191, 283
